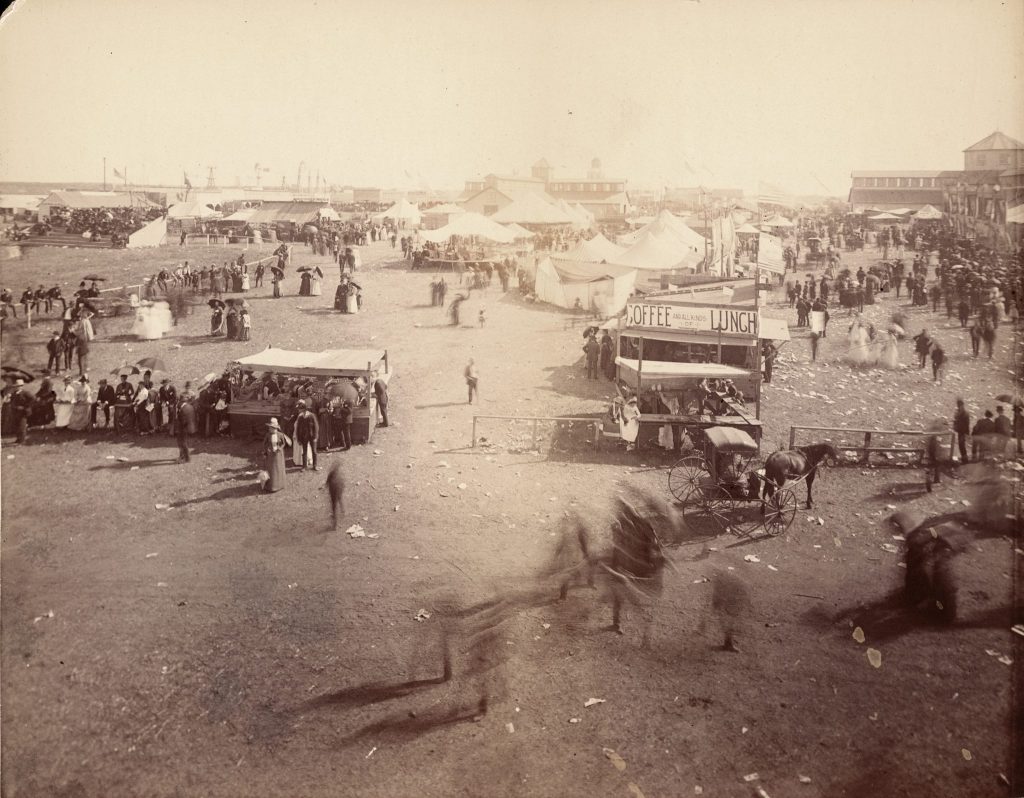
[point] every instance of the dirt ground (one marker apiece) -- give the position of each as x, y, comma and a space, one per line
232, 645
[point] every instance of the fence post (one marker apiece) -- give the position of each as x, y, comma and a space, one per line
792, 437
474, 432
534, 434
867, 443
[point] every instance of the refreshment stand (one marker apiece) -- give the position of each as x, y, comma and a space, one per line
350, 372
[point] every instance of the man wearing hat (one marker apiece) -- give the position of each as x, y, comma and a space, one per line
55, 349
1003, 431
168, 396
21, 406
184, 424
105, 399
307, 432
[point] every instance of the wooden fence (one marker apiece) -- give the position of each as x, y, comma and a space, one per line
866, 449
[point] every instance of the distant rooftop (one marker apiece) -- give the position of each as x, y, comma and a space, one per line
996, 141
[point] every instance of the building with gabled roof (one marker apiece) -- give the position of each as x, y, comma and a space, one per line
995, 151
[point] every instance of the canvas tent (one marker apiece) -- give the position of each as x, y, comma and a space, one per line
599, 287
595, 250
191, 210
531, 208
401, 211
664, 252
928, 213
152, 234
884, 217
241, 215
470, 224
662, 223
1015, 215
748, 229
297, 213
519, 231
777, 221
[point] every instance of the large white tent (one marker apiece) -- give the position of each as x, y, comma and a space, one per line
777, 221
596, 249
666, 222
191, 210
599, 287
531, 208
470, 224
241, 215
664, 252
586, 215
401, 211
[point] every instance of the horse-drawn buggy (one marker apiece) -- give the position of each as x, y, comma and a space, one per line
726, 484
815, 253
721, 483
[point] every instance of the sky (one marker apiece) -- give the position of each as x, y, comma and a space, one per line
720, 93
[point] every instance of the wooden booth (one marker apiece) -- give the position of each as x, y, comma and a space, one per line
327, 377
694, 361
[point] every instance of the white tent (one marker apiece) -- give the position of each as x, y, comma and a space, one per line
599, 287
748, 228
446, 209
928, 213
662, 252
531, 208
241, 215
901, 211
328, 212
470, 224
152, 235
587, 216
662, 223
403, 210
595, 250
519, 231
884, 217
777, 221
1015, 215
191, 210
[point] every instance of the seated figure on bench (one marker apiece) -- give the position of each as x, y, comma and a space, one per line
729, 475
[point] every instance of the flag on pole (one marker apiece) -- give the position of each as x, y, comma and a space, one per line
769, 194
769, 254
118, 175
188, 183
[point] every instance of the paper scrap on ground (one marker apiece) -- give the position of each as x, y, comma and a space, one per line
615, 759
875, 657
422, 615
591, 701
355, 531
858, 635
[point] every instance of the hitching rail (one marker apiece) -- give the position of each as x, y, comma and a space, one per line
867, 449
596, 422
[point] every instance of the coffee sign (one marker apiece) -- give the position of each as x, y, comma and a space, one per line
727, 321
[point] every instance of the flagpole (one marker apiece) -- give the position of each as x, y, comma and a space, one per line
104, 174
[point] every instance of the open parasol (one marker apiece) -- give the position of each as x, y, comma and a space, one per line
216, 303
304, 269
278, 271
12, 373
95, 278
126, 369
151, 363
1005, 397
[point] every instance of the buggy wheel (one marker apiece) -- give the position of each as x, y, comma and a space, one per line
779, 511
686, 478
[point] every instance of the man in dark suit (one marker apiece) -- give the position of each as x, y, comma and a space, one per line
307, 433
962, 428
380, 388
981, 436
184, 424
105, 399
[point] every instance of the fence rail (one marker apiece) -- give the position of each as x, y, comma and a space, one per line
866, 449
535, 420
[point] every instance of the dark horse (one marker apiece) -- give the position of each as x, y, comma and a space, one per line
796, 464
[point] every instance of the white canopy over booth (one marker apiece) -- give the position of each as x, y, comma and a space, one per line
531, 208
928, 213
470, 224
662, 223
601, 287
661, 252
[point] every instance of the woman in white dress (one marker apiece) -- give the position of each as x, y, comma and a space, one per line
81, 411
628, 415
245, 281
351, 306
859, 353
65, 404
889, 357
316, 279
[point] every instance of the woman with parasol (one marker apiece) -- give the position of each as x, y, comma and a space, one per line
304, 281
231, 321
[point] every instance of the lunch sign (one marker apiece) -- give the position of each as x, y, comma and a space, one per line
691, 319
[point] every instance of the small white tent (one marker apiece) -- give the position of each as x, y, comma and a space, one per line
664, 252
597, 249
401, 211
599, 287
928, 213
191, 210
